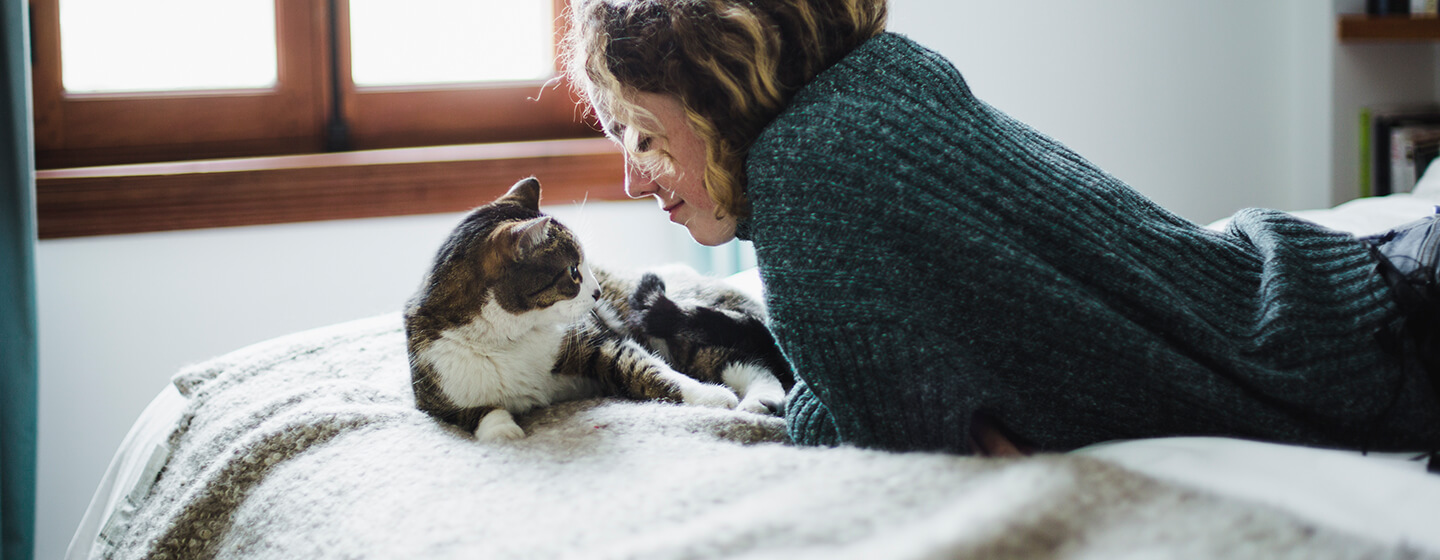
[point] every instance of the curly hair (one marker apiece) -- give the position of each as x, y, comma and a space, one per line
733, 65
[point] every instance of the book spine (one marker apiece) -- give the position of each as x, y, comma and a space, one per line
1402, 147
1366, 189
1388, 7
1380, 126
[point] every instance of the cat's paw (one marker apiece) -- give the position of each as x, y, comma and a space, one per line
498, 426
763, 393
707, 395
767, 405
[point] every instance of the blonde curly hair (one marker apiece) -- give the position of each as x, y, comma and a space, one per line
733, 65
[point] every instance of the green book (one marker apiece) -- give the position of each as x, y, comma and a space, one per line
1365, 157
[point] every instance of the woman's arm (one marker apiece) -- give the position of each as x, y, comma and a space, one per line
807, 420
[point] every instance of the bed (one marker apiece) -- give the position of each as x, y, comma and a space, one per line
308, 446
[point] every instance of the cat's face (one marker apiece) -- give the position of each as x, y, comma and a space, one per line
507, 263
536, 269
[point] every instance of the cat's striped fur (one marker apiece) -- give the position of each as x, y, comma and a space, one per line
511, 317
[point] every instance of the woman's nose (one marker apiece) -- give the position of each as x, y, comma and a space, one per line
637, 184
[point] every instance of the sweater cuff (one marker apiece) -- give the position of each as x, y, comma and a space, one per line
807, 421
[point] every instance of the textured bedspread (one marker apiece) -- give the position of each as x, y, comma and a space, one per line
308, 446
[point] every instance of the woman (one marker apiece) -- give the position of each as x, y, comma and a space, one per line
942, 277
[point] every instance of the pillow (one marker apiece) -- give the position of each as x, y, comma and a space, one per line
1429, 183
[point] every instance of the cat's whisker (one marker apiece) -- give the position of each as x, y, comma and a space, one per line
583, 217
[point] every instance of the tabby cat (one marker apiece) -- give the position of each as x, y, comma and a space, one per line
511, 317
714, 334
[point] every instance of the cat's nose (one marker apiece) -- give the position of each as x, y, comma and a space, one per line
597, 293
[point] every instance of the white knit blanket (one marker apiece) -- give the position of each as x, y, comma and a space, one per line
309, 446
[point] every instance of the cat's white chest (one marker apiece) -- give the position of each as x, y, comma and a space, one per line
504, 361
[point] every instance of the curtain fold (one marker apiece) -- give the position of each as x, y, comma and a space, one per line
19, 355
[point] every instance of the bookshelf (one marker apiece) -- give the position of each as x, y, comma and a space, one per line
1395, 29
1399, 123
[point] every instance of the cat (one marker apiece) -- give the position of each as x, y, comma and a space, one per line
511, 317
714, 334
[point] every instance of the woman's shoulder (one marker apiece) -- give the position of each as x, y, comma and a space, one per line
886, 87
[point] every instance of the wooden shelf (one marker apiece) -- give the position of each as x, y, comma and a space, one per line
1363, 29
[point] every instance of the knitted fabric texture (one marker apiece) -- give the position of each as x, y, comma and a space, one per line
926, 257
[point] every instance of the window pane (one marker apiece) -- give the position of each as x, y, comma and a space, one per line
399, 42
160, 45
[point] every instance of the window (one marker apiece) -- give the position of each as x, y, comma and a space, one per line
517, 105
97, 128
294, 113
292, 82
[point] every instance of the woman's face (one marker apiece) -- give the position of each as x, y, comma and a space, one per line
681, 191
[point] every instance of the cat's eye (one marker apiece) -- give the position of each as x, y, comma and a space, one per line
571, 274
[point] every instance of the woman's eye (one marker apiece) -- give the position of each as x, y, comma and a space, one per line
643, 144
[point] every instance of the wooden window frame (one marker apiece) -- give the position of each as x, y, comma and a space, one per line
347, 185
132, 149
86, 129
425, 115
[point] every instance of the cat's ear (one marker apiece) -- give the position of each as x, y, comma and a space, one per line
525, 194
525, 236
513, 241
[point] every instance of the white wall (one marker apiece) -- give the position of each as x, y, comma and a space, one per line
1206, 107
1195, 104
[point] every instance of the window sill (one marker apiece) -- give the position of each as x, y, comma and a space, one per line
271, 190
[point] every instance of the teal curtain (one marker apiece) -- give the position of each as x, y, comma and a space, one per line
19, 356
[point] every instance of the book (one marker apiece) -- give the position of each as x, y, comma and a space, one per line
1413, 8
1412, 148
1379, 162
1388, 7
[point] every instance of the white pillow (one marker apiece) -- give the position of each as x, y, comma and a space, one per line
1429, 183
1376, 214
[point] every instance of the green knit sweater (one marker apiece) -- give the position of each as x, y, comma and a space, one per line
925, 257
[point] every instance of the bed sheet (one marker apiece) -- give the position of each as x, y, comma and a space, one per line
132, 470
1386, 497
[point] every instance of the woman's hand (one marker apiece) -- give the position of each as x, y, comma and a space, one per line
989, 439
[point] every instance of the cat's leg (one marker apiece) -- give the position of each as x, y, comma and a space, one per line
704, 394
639, 374
760, 392
498, 425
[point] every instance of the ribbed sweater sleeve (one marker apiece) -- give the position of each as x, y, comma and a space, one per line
807, 420
926, 257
